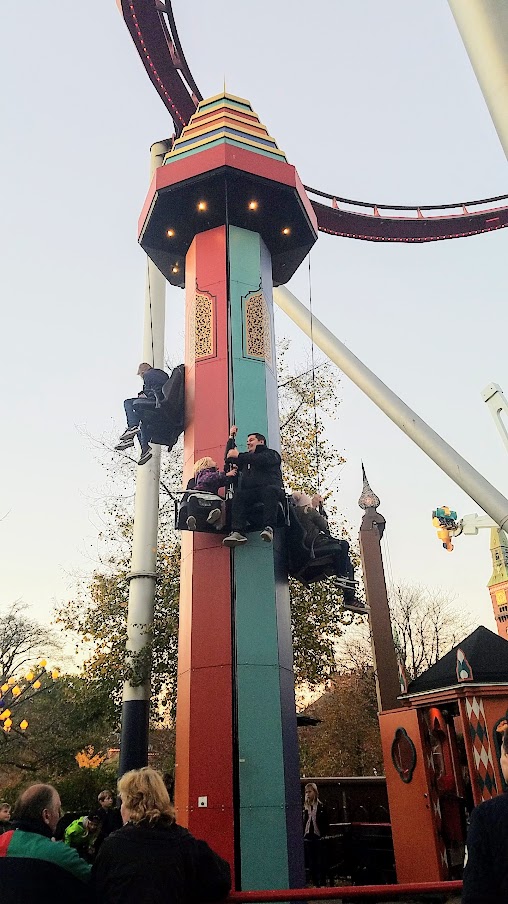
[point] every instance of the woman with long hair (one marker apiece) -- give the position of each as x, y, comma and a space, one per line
315, 829
152, 858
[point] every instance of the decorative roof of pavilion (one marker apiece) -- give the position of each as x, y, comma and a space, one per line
224, 119
482, 658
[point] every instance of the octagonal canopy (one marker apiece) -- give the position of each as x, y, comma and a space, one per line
226, 170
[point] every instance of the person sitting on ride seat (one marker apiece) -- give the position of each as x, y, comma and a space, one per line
260, 480
318, 538
153, 381
208, 479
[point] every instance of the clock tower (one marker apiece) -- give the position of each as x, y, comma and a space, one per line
498, 584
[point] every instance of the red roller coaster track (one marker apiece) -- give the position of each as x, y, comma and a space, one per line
152, 27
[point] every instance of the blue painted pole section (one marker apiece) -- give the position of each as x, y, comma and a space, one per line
271, 845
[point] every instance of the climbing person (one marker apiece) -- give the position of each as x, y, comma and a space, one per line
259, 480
153, 381
318, 538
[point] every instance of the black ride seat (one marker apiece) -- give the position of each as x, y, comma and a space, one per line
200, 504
303, 564
164, 412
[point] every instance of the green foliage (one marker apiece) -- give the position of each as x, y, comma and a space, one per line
65, 716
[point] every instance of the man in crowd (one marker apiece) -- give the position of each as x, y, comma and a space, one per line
486, 865
34, 867
260, 480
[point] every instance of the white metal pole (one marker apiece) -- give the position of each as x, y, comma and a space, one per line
483, 26
136, 690
488, 498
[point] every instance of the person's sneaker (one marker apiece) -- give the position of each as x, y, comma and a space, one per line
214, 516
357, 606
267, 535
130, 433
235, 538
191, 522
124, 444
145, 456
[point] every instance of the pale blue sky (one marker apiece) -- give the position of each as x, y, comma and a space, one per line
370, 100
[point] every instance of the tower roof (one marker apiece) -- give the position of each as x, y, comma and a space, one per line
482, 658
225, 170
224, 119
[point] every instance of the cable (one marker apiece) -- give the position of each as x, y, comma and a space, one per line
150, 304
313, 370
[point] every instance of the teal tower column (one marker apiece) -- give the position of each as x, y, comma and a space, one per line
227, 217
269, 804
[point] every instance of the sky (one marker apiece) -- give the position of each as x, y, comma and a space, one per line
372, 101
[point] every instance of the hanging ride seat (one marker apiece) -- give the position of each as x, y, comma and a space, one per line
303, 563
199, 504
164, 413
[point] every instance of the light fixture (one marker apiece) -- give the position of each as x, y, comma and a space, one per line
175, 268
286, 231
253, 205
201, 205
170, 233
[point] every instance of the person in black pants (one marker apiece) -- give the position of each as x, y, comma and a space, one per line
259, 480
486, 864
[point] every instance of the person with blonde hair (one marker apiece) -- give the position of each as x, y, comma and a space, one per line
315, 829
151, 858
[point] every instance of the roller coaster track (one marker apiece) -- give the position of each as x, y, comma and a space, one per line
152, 27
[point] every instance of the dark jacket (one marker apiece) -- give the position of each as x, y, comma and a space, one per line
146, 863
153, 381
486, 870
35, 868
322, 821
259, 468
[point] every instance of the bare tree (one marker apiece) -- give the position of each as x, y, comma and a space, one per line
426, 624
22, 640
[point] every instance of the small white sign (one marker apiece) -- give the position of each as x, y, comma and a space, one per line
202, 801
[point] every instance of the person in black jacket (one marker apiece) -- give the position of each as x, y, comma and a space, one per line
153, 381
315, 829
486, 863
153, 859
260, 480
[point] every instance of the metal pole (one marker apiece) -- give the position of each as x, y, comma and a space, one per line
483, 26
136, 689
480, 490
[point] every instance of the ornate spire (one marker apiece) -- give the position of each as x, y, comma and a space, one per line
368, 499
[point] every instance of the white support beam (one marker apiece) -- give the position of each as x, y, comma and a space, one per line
458, 469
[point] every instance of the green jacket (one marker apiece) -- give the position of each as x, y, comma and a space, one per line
77, 836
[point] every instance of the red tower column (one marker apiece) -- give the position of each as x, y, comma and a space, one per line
204, 800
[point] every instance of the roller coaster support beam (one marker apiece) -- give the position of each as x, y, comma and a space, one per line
483, 26
136, 690
458, 469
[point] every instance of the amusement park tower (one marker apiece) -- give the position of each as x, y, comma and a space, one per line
227, 217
